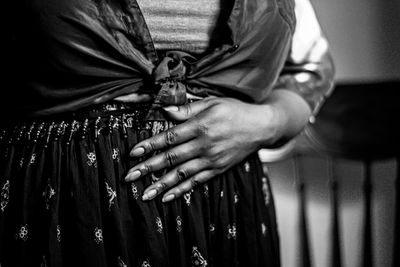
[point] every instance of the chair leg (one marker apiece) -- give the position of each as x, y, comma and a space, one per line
335, 253
368, 242
396, 234
305, 258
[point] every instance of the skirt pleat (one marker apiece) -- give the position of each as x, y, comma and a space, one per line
64, 202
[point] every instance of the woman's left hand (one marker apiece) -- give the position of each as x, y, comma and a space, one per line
215, 134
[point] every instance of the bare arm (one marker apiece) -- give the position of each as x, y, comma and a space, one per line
217, 133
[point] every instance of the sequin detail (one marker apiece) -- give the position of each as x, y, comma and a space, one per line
48, 194
111, 194
178, 224
98, 235
115, 154
121, 263
265, 189
263, 229
5, 195
145, 263
159, 225
231, 231
92, 161
22, 233
197, 259
135, 191
58, 233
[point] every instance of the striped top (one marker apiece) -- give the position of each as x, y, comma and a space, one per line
181, 24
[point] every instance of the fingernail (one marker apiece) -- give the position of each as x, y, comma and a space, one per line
168, 198
172, 108
137, 152
149, 195
133, 175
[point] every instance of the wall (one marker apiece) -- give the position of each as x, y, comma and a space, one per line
364, 36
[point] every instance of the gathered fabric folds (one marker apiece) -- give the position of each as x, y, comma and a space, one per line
66, 55
64, 201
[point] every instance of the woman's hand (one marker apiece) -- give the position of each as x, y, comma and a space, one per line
216, 134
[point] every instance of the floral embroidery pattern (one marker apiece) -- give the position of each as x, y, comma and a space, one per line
115, 154
178, 224
135, 191
235, 198
197, 258
187, 198
44, 262
206, 192
129, 122
232, 231
121, 263
22, 233
263, 229
48, 193
111, 196
21, 162
212, 227
5, 195
92, 161
247, 166
59, 233
98, 235
145, 263
159, 225
33, 158
265, 190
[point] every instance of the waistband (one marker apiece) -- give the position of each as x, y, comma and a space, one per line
90, 122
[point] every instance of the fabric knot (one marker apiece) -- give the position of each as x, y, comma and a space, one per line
169, 79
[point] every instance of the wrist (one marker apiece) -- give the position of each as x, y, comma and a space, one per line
271, 125
286, 116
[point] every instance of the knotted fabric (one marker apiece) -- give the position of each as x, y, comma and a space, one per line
169, 78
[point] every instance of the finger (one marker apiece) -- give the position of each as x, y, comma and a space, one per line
188, 185
177, 175
171, 137
166, 159
185, 112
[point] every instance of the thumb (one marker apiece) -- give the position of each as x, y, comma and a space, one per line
185, 112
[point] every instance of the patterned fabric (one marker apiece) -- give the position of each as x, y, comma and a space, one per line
64, 202
181, 24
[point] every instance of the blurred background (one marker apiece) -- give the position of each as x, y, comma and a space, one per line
335, 185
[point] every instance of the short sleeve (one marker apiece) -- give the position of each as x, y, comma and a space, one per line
309, 69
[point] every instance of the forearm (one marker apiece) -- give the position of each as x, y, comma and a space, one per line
288, 113
306, 80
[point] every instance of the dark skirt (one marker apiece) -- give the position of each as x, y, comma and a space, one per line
64, 201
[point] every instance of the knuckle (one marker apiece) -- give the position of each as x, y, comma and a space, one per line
202, 129
187, 109
150, 146
210, 100
161, 186
171, 158
147, 168
194, 182
170, 137
219, 163
182, 174
179, 191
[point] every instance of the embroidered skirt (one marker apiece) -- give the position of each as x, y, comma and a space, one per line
64, 201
